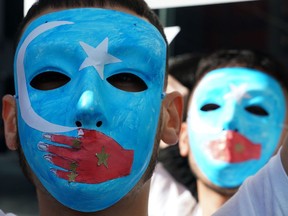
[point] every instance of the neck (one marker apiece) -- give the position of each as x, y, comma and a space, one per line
210, 200
134, 203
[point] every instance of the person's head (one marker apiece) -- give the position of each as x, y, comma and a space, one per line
236, 117
90, 77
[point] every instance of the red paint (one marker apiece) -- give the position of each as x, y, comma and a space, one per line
234, 148
82, 162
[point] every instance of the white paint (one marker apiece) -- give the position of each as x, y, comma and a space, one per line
27, 113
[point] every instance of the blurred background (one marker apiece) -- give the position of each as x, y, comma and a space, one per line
205, 26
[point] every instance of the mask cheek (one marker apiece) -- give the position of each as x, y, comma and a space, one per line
29, 139
145, 132
270, 145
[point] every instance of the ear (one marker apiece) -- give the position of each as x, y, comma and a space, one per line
184, 141
172, 117
9, 118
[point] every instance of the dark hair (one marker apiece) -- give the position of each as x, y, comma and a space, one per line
140, 7
243, 58
183, 68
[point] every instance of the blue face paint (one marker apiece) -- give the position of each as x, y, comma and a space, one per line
89, 141
235, 122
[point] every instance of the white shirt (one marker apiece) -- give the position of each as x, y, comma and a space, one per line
264, 194
168, 197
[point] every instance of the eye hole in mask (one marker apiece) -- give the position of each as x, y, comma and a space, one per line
209, 107
49, 80
127, 82
256, 110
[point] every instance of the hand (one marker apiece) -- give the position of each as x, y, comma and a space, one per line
90, 158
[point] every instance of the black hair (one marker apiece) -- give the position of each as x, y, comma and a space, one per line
243, 58
183, 68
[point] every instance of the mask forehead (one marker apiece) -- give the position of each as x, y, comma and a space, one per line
71, 40
131, 40
222, 79
226, 101
241, 87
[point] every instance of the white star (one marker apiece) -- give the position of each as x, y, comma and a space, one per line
98, 57
237, 93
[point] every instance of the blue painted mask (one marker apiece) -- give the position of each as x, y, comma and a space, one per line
235, 123
89, 86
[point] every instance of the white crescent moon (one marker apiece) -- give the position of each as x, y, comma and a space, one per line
28, 114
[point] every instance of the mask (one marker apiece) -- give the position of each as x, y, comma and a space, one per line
90, 138
235, 122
